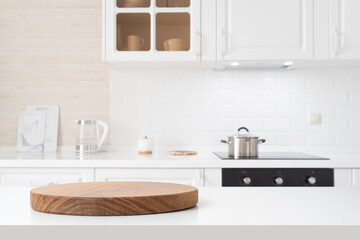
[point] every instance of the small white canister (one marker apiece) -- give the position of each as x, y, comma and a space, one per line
145, 145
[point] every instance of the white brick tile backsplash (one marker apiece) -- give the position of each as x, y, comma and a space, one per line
164, 125
292, 139
193, 125
236, 111
277, 125
302, 125
326, 110
348, 139
119, 111
253, 84
117, 97
272, 139
320, 83
123, 80
288, 83
220, 125
165, 97
265, 111
347, 111
351, 84
178, 110
335, 97
292, 110
306, 97
137, 97
277, 97
244, 97
335, 125
355, 125
200, 107
355, 98
207, 111
321, 139
181, 84
150, 110
206, 97
207, 139
178, 139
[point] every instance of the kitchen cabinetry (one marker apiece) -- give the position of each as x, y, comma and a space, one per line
193, 177
344, 29
227, 30
34, 177
265, 30
347, 178
151, 30
199, 177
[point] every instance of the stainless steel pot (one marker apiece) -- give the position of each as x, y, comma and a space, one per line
243, 145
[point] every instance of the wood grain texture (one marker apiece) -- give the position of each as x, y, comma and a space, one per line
51, 54
113, 198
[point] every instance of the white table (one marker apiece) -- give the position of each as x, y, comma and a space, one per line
217, 206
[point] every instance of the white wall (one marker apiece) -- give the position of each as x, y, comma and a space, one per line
199, 107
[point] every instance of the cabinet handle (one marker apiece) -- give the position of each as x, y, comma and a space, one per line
36, 184
335, 34
198, 43
224, 44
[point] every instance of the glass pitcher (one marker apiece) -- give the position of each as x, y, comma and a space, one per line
89, 139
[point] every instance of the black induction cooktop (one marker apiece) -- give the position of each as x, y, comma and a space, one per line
273, 156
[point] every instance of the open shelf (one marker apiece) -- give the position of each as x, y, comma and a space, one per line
133, 3
133, 32
173, 32
172, 3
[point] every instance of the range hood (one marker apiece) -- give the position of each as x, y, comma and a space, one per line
255, 65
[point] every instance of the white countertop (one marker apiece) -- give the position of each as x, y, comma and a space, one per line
125, 158
217, 206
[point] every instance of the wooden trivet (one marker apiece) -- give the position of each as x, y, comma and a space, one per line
182, 153
113, 198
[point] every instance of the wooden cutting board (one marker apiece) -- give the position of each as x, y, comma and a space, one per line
113, 198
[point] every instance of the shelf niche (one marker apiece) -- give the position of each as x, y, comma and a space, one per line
173, 32
172, 3
133, 3
133, 32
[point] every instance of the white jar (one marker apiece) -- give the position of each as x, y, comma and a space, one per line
145, 145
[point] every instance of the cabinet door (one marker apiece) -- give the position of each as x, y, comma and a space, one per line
265, 30
157, 30
213, 177
193, 177
344, 29
343, 177
35, 177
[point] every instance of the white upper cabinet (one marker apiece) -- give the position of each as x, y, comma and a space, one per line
151, 30
226, 30
265, 29
344, 29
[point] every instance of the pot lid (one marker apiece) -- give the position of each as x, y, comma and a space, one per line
244, 134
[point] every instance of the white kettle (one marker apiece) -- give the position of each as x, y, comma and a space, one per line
89, 139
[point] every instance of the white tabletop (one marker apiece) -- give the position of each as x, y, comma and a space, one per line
217, 206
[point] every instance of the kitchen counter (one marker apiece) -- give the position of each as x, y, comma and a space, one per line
340, 158
217, 206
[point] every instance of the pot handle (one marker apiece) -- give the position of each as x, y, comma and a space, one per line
224, 141
243, 128
262, 141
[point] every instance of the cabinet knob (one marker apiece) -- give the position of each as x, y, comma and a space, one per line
278, 180
311, 180
246, 180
